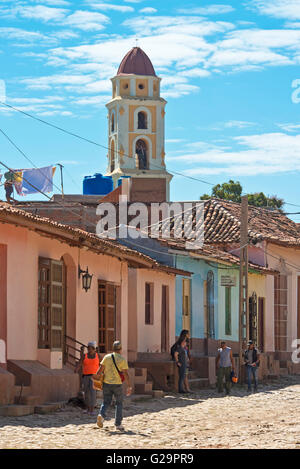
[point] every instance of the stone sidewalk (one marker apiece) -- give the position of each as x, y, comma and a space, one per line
268, 419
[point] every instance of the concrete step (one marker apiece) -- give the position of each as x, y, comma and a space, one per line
157, 394
48, 408
199, 383
140, 379
29, 400
16, 410
140, 372
22, 390
145, 388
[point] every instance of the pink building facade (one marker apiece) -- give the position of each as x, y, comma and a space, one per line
44, 308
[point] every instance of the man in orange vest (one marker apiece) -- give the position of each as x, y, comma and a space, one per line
90, 363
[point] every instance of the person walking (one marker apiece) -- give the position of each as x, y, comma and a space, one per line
252, 361
89, 363
225, 364
115, 370
180, 357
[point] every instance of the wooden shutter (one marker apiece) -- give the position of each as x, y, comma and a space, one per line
261, 326
57, 305
107, 315
44, 302
149, 301
165, 318
51, 304
111, 316
186, 303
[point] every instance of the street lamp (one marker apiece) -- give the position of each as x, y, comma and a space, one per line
86, 278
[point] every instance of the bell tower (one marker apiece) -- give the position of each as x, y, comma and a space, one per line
136, 121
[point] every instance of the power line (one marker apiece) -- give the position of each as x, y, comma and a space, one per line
73, 134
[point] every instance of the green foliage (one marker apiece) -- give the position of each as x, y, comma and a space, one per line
232, 190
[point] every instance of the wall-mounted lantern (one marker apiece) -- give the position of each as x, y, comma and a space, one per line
86, 278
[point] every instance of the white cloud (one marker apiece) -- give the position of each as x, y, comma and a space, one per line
92, 100
2, 91
46, 82
87, 20
110, 6
289, 127
53, 2
148, 10
21, 34
208, 10
267, 153
194, 73
41, 12
283, 9
238, 124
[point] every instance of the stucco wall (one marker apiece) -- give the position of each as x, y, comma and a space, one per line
292, 269
200, 270
24, 249
149, 335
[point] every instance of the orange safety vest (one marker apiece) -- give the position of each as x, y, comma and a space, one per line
90, 366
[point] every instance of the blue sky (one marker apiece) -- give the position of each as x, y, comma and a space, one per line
229, 71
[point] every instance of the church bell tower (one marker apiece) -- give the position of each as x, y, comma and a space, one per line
136, 134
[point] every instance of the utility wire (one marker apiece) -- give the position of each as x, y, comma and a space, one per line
177, 173
73, 134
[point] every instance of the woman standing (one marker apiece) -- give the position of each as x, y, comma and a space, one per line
90, 363
181, 362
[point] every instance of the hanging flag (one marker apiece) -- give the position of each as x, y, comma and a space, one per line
37, 180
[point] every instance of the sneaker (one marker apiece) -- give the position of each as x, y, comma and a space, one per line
120, 428
100, 421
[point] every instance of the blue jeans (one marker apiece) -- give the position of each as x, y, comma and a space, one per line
252, 372
110, 390
181, 373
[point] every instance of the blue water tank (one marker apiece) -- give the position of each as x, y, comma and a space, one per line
97, 184
121, 179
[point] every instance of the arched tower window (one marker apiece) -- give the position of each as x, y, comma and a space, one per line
211, 304
112, 156
141, 151
142, 120
113, 122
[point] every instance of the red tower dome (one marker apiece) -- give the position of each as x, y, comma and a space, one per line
136, 62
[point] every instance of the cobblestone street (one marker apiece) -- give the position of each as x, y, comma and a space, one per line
268, 419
